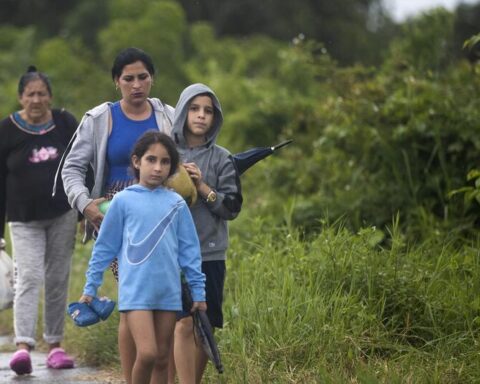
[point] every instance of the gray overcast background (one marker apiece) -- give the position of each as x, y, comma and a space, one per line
401, 9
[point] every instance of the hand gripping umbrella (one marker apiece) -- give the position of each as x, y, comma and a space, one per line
202, 328
245, 160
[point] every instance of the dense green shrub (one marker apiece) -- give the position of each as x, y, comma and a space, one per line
368, 142
327, 307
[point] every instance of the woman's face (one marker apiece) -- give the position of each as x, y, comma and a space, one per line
135, 83
35, 101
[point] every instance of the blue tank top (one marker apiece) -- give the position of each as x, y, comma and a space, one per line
125, 133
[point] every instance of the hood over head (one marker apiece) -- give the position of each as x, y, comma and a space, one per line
181, 113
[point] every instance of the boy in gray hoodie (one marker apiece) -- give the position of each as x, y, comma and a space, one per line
196, 126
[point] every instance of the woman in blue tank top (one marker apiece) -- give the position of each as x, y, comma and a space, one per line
104, 141
125, 132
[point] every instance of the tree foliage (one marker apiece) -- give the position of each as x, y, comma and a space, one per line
351, 30
369, 142
46, 16
158, 28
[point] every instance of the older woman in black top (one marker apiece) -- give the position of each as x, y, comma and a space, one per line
42, 228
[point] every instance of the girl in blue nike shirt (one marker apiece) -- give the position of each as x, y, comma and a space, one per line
150, 229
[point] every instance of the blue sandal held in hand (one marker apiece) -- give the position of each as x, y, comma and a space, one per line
102, 306
82, 314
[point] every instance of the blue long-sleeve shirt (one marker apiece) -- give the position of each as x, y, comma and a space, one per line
153, 235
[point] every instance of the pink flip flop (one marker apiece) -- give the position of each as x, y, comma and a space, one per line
21, 363
58, 359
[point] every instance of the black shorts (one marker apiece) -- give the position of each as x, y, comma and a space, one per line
215, 272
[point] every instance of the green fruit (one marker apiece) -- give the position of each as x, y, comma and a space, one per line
103, 206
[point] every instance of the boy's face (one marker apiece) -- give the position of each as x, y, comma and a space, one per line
200, 116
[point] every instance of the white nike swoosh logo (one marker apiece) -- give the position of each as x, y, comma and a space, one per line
138, 252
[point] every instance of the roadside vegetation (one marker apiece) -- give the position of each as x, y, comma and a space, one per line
334, 307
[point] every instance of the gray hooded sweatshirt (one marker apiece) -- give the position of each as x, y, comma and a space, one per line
89, 147
218, 172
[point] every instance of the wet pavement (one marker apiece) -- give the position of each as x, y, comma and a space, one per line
43, 375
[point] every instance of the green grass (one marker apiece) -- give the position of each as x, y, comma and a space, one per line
337, 307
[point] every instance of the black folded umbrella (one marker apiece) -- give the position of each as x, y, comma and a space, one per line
202, 328
245, 160
204, 333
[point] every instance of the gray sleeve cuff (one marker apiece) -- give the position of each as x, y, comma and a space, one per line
82, 203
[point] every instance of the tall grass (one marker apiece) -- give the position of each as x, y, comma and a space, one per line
336, 307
